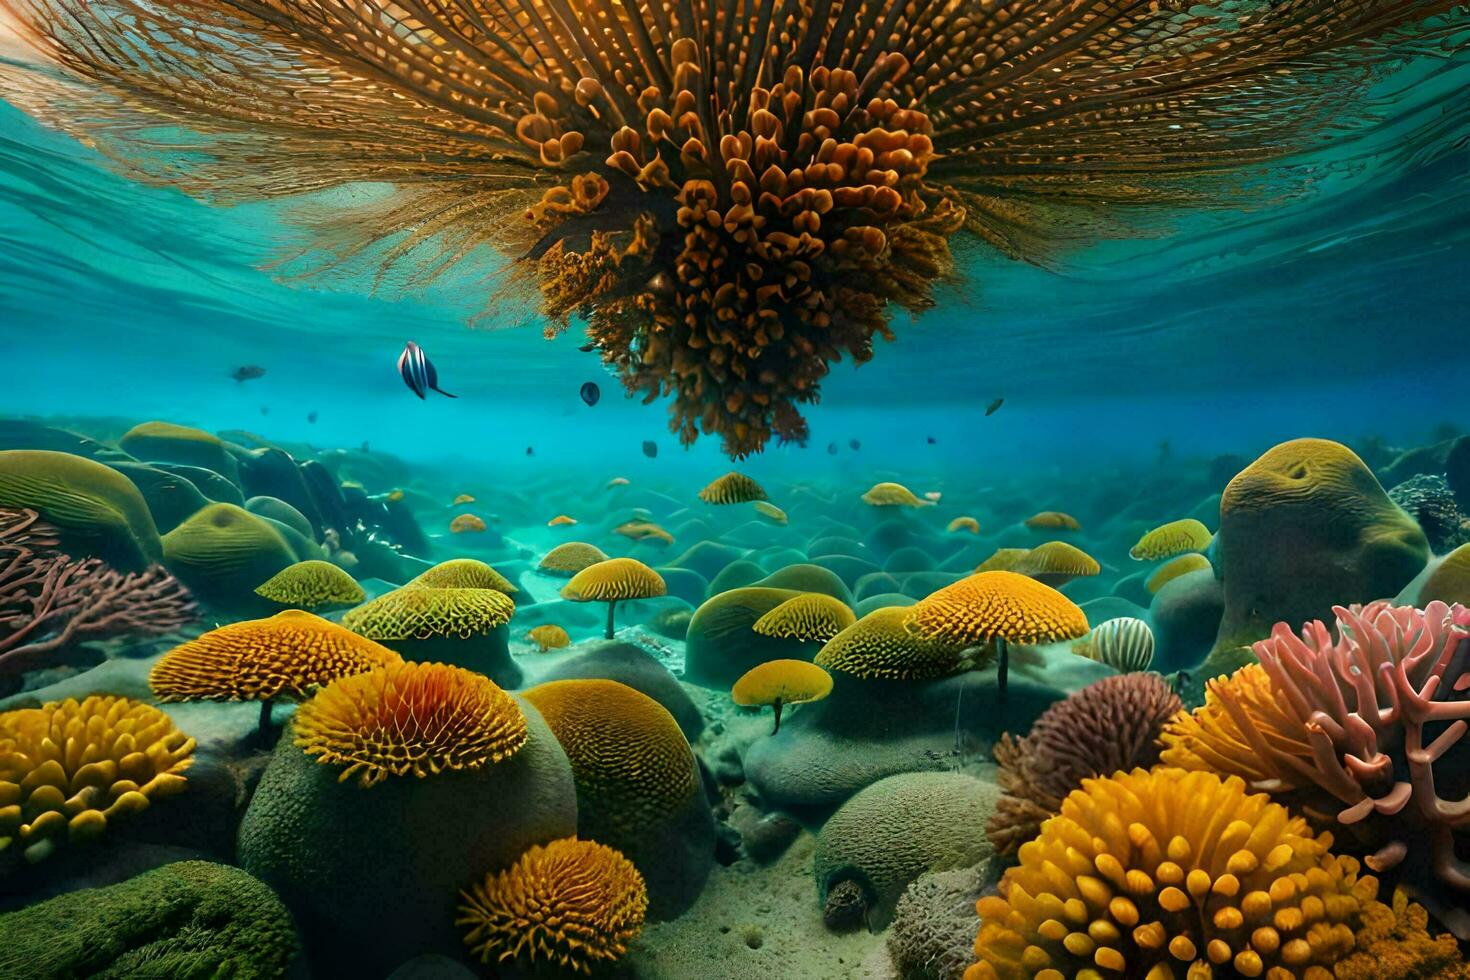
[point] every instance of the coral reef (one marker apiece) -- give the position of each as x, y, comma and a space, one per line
313, 584
613, 581
1360, 725
631, 665
166, 442
811, 617
638, 784
1175, 538
574, 904
186, 919
732, 488
899, 828
1110, 725
69, 768
781, 682
97, 512
721, 645
1143, 873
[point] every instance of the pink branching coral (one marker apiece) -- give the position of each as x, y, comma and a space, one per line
1110, 725
49, 601
1368, 729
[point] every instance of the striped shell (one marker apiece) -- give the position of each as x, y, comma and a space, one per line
1125, 644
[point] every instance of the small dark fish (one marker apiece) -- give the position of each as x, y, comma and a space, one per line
591, 393
311, 417
994, 406
854, 444
831, 449
247, 372
418, 371
265, 410
530, 450
588, 348
365, 447
650, 448
931, 440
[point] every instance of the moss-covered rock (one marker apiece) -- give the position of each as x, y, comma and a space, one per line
190, 919
98, 511
278, 510
627, 664
808, 578
169, 443
736, 575
171, 498
214, 486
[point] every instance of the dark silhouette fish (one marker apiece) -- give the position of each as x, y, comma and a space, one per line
418, 371
311, 417
931, 440
247, 372
591, 393
831, 449
994, 406
650, 448
854, 444
265, 410
530, 450
588, 347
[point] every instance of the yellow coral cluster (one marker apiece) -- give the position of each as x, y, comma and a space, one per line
570, 558
1053, 520
1171, 874
571, 904
1170, 570
1056, 563
70, 767
1174, 538
410, 719
613, 580
418, 613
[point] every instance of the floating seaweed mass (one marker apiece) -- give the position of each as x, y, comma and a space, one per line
735, 194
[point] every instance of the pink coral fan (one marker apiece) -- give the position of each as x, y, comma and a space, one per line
48, 601
1109, 725
1374, 726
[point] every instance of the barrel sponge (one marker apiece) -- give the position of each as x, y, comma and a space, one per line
638, 783
732, 488
573, 904
286, 656
721, 643
98, 511
899, 828
169, 443
1158, 870
186, 919
880, 645
223, 553
69, 768
811, 616
1303, 528
376, 872
313, 584
464, 573
934, 924
566, 560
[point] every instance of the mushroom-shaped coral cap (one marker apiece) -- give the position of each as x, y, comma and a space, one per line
464, 573
1174, 568
1053, 520
880, 645
770, 512
410, 718
1146, 873
892, 495
570, 558
561, 520
809, 616
418, 613
786, 681
69, 767
964, 523
732, 488
617, 481
614, 580
1002, 560
463, 498
998, 605
466, 524
549, 637
286, 655
572, 904
312, 584
1174, 538
1056, 563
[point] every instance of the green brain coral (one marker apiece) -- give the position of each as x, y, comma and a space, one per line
97, 510
188, 919
223, 553
312, 585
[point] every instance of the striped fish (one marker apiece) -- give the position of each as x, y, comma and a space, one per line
418, 371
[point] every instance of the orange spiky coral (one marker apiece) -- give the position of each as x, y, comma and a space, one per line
735, 195
410, 719
572, 904
1148, 873
70, 767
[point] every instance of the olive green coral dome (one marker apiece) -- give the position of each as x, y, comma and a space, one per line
97, 510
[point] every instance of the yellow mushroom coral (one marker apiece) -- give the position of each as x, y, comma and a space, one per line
781, 682
571, 904
1053, 520
69, 768
892, 495
1004, 607
463, 573
561, 520
964, 523
1174, 538
1002, 559
732, 488
466, 524
1174, 568
613, 581
312, 584
463, 498
811, 616
1056, 563
286, 656
549, 637
410, 718
1167, 874
881, 645
570, 558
